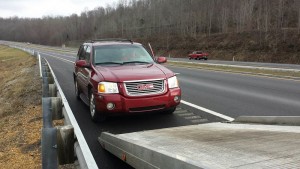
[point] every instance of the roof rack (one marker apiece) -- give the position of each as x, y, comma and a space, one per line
109, 39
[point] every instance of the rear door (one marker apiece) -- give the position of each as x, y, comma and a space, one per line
86, 72
79, 70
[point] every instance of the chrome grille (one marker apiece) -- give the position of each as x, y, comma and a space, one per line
140, 88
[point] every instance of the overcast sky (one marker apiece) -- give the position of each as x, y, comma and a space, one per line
40, 8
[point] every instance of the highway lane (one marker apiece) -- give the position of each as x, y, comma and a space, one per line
236, 94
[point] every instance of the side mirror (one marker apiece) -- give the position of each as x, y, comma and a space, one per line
82, 64
161, 59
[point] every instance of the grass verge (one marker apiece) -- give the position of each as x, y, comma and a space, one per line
20, 110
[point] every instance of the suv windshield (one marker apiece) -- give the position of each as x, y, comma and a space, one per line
121, 54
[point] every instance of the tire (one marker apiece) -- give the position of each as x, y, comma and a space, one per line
205, 58
169, 111
77, 91
190, 58
95, 115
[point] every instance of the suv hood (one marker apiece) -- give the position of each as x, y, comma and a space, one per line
133, 72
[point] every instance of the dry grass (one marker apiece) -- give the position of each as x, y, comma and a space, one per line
273, 73
20, 110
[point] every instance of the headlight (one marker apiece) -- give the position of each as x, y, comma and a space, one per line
108, 87
173, 82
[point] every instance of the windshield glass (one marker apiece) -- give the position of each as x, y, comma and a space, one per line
121, 54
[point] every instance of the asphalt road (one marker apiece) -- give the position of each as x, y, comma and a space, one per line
226, 93
236, 94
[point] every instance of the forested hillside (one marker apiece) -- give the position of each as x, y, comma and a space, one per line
251, 30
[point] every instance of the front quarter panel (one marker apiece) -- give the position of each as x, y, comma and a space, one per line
168, 73
95, 79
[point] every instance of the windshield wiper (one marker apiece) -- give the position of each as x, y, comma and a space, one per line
136, 62
107, 63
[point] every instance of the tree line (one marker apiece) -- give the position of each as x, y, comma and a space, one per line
138, 19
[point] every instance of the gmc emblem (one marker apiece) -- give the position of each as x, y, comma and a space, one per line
145, 86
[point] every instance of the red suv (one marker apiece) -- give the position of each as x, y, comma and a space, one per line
121, 77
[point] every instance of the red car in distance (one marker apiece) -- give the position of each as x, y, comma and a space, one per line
197, 55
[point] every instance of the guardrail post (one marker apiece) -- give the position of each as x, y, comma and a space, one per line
50, 80
56, 107
52, 90
65, 144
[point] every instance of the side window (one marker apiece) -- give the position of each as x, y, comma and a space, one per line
78, 53
87, 53
81, 53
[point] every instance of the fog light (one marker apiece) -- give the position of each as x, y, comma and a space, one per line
176, 99
110, 106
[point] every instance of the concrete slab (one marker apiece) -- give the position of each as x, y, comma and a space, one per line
222, 145
279, 120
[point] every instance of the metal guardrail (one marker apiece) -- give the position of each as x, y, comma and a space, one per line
52, 106
65, 134
63, 144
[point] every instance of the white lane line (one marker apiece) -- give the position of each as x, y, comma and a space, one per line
58, 58
185, 114
208, 111
192, 117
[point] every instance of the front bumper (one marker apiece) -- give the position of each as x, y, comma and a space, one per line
125, 105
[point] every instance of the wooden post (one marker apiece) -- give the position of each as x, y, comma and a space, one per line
65, 144
56, 107
52, 90
50, 80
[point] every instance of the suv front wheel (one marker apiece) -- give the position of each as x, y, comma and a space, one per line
95, 115
77, 92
